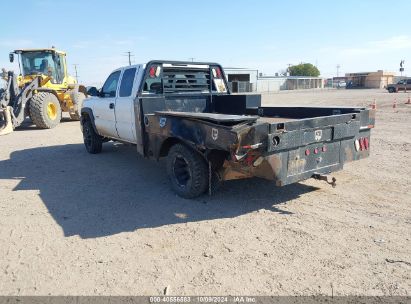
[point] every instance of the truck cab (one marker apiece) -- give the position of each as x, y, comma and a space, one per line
112, 107
176, 89
48, 63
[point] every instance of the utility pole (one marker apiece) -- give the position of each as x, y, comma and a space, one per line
338, 70
192, 59
129, 57
75, 69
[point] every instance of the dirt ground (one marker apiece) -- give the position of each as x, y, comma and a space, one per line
72, 223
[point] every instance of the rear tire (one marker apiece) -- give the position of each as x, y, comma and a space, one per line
391, 90
187, 170
45, 110
78, 98
92, 141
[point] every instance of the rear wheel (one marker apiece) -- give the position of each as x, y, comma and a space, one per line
187, 170
391, 90
45, 110
92, 141
78, 98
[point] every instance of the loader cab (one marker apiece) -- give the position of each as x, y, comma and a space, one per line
45, 62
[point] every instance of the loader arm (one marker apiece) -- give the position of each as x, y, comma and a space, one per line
13, 102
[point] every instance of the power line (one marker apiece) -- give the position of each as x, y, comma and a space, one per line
129, 57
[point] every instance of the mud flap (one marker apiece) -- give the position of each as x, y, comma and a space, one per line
7, 124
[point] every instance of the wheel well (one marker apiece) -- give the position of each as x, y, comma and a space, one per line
216, 157
85, 116
167, 144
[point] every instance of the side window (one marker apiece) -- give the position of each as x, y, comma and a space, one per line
127, 81
409, 81
60, 67
218, 80
153, 83
110, 86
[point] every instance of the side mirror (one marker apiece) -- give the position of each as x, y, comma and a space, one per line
92, 91
11, 57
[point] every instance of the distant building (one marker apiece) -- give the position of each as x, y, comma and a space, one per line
247, 80
371, 80
336, 82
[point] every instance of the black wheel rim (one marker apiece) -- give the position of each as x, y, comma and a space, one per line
181, 171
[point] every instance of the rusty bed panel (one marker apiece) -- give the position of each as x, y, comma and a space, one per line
265, 147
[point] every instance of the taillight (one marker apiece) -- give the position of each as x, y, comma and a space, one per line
218, 71
315, 150
152, 72
362, 147
366, 143
361, 144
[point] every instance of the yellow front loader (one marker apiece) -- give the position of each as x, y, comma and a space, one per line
42, 91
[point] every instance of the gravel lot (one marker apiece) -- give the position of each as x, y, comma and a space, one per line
72, 223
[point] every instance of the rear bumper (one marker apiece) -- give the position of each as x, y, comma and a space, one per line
301, 163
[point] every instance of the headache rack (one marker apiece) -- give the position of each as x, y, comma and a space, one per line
184, 79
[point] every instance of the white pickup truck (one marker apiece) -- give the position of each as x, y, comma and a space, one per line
184, 111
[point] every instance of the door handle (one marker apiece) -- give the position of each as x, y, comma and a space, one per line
111, 106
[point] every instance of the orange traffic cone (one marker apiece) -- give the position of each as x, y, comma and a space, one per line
409, 100
394, 105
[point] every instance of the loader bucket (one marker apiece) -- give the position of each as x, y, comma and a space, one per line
6, 124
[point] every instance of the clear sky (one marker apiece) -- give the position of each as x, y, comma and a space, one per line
364, 35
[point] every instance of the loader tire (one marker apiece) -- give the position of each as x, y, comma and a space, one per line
92, 141
78, 98
45, 110
187, 170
